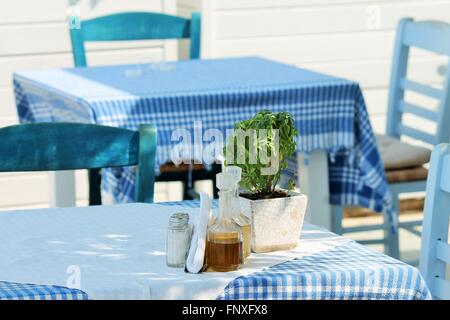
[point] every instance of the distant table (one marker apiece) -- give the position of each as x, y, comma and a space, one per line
118, 252
335, 135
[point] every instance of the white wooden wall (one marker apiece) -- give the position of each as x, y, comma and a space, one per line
347, 38
34, 34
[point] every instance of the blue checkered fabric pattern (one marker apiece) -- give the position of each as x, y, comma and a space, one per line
330, 113
349, 271
21, 291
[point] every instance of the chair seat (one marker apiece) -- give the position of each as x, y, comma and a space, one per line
171, 167
406, 175
400, 155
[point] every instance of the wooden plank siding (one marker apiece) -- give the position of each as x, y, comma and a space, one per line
347, 38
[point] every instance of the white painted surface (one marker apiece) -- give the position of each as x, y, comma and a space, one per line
347, 38
34, 34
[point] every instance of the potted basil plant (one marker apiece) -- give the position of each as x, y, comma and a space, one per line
261, 147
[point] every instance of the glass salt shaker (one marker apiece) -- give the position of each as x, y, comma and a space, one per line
178, 240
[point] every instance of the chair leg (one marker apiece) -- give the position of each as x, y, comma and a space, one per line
392, 244
217, 168
215, 189
190, 193
337, 216
95, 195
185, 190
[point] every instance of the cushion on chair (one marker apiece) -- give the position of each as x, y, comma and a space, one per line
406, 175
399, 155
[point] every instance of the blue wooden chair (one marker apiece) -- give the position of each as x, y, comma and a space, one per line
71, 146
142, 26
135, 26
435, 250
404, 162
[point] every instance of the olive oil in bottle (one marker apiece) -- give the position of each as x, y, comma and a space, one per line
238, 217
224, 237
224, 251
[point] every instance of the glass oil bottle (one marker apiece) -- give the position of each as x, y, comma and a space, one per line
224, 237
239, 218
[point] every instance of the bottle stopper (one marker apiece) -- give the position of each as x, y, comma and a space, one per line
235, 172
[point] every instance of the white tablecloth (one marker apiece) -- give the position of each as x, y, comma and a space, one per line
118, 252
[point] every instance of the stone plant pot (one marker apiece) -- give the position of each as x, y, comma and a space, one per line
276, 223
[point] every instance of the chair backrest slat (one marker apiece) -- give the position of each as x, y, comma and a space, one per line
411, 132
134, 26
66, 146
429, 35
71, 146
418, 111
435, 250
431, 92
433, 36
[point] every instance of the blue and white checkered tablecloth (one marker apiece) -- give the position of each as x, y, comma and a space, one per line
330, 113
347, 271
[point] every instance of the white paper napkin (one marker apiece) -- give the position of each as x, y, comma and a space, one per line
196, 255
